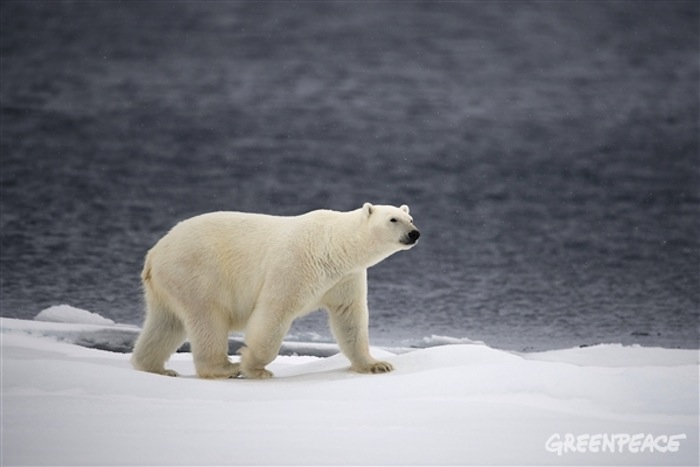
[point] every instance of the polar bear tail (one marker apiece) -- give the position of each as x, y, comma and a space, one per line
146, 273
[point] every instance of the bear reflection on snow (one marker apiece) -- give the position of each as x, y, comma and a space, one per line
227, 271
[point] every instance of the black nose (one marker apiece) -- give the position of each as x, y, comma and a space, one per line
413, 235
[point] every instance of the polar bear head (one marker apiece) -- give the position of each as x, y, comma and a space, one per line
391, 228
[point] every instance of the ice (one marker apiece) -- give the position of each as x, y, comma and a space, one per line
434, 340
69, 314
463, 404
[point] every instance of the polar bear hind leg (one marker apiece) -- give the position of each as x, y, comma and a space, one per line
162, 334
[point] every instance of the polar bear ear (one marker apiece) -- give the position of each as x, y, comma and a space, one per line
404, 208
367, 209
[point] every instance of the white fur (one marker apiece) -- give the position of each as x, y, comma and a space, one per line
225, 271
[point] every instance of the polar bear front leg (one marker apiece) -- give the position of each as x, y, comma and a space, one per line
264, 334
350, 327
349, 320
208, 335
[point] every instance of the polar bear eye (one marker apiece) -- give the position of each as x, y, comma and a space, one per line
393, 219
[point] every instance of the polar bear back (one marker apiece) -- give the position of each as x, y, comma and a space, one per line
229, 256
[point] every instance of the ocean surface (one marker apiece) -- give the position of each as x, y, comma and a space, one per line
548, 151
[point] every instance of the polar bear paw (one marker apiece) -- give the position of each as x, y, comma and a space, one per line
375, 368
224, 370
157, 371
256, 373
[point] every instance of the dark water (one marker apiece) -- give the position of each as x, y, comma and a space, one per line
548, 151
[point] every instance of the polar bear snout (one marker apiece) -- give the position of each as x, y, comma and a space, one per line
412, 237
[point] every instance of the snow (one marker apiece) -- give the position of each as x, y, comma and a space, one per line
465, 404
434, 340
69, 314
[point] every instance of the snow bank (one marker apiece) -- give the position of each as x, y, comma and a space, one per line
455, 404
434, 341
69, 314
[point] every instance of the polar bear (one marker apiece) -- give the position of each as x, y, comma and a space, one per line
224, 271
